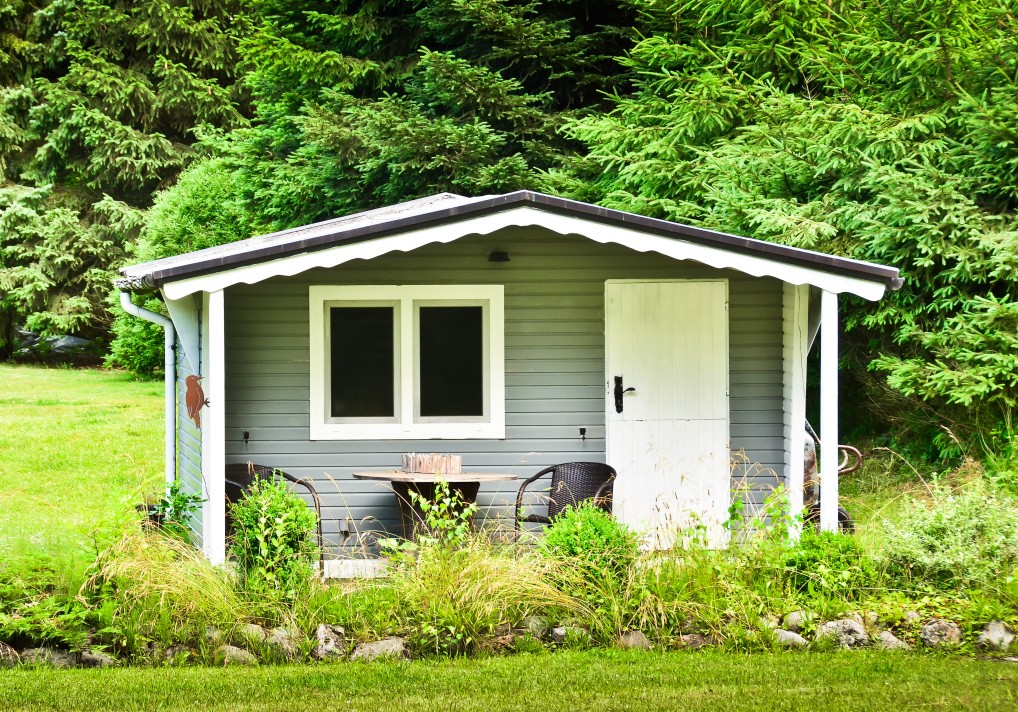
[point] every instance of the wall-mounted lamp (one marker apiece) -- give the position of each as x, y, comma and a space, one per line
247, 436
498, 256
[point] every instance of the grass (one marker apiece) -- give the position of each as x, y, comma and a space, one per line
606, 680
79, 450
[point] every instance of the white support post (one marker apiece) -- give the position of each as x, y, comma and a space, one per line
214, 428
829, 411
796, 346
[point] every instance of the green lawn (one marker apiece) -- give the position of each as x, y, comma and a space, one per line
561, 681
78, 449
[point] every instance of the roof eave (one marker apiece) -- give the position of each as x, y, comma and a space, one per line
887, 276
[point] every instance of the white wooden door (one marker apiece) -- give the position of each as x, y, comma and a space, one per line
668, 342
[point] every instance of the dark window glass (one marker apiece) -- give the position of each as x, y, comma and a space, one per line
451, 361
362, 362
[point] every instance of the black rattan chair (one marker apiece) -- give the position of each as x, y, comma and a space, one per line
240, 477
571, 483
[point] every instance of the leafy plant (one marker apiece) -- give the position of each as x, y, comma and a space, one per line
175, 509
447, 518
829, 564
273, 540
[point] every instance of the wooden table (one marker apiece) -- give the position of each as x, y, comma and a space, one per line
466, 484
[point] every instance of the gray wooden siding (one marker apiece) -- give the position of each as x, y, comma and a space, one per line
188, 444
554, 323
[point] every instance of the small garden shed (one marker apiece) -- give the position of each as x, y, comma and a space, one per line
517, 330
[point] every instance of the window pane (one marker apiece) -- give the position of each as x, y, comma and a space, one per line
362, 366
451, 361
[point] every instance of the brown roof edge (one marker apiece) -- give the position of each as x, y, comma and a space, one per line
828, 263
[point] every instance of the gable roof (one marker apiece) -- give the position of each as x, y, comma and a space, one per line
408, 225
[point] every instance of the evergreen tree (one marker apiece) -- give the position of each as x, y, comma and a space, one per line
876, 131
100, 109
361, 104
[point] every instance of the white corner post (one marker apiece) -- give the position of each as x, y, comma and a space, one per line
213, 428
829, 411
795, 348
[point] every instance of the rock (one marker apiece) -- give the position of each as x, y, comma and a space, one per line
8, 656
938, 632
912, 616
213, 635
886, 640
177, 654
227, 655
536, 626
995, 636
795, 621
788, 639
388, 648
871, 619
252, 633
847, 632
283, 643
635, 640
568, 632
330, 642
50, 656
68, 344
96, 659
769, 622
695, 641
857, 617
502, 629
503, 642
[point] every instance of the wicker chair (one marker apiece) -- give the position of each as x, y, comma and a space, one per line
571, 483
240, 477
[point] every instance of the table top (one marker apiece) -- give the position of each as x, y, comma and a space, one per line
401, 476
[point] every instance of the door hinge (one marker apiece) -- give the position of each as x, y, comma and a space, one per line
726, 306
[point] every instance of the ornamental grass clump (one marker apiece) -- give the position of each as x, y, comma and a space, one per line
454, 586
154, 585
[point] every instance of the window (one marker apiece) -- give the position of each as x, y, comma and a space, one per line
390, 362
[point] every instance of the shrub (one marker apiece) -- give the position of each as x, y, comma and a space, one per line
829, 564
273, 540
592, 536
962, 538
597, 556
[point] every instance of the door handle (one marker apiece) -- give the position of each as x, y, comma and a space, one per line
619, 392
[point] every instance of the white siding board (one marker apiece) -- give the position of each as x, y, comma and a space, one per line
554, 317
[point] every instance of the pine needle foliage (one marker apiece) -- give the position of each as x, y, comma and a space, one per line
873, 131
99, 102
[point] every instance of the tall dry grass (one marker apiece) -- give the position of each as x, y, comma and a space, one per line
154, 578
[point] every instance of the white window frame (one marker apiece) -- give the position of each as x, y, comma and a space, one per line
406, 300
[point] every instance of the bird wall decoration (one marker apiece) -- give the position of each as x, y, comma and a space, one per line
194, 398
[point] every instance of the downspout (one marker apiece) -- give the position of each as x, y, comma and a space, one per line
169, 364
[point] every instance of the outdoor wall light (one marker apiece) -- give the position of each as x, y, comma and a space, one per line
498, 256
